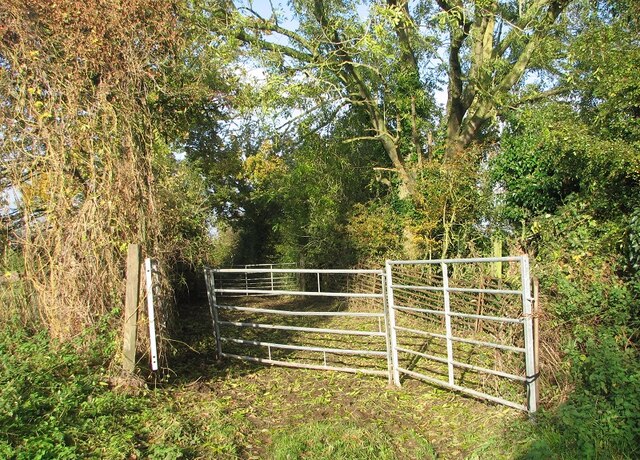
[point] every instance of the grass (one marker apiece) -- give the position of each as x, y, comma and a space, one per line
286, 407
56, 403
337, 439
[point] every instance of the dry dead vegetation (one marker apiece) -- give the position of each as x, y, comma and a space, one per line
83, 150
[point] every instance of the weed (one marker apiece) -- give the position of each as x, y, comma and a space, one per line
56, 403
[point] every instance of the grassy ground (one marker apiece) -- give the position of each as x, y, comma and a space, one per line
56, 403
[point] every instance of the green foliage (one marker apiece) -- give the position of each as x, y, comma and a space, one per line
579, 264
591, 318
601, 418
569, 178
341, 440
548, 153
604, 414
375, 231
633, 240
57, 403
605, 58
457, 199
14, 291
299, 199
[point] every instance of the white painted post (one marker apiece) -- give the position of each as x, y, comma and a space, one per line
385, 310
447, 321
152, 316
530, 367
391, 331
213, 309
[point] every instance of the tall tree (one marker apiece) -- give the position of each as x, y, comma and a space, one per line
382, 57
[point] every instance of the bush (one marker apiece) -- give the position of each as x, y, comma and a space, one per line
601, 419
591, 303
57, 403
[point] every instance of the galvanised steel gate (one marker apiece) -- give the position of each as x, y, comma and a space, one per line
464, 324
362, 333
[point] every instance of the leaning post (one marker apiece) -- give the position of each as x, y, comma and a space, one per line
132, 298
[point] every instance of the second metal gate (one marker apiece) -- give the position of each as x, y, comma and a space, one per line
361, 335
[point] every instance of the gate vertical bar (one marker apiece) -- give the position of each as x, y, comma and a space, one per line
213, 309
447, 321
391, 331
532, 403
385, 309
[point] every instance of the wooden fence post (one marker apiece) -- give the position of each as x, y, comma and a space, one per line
131, 308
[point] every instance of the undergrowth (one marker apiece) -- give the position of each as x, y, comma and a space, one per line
601, 418
57, 403
343, 441
61, 401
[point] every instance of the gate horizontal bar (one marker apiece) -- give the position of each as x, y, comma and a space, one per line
254, 281
417, 288
302, 313
469, 391
460, 339
424, 355
465, 365
341, 351
345, 271
302, 293
455, 289
303, 329
456, 261
306, 366
264, 265
462, 315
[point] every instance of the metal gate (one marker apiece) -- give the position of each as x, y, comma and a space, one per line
362, 333
464, 324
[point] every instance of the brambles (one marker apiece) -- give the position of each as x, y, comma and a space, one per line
86, 156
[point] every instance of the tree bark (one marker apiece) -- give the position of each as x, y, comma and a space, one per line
475, 96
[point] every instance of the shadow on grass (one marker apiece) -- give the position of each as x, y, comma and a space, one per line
194, 347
